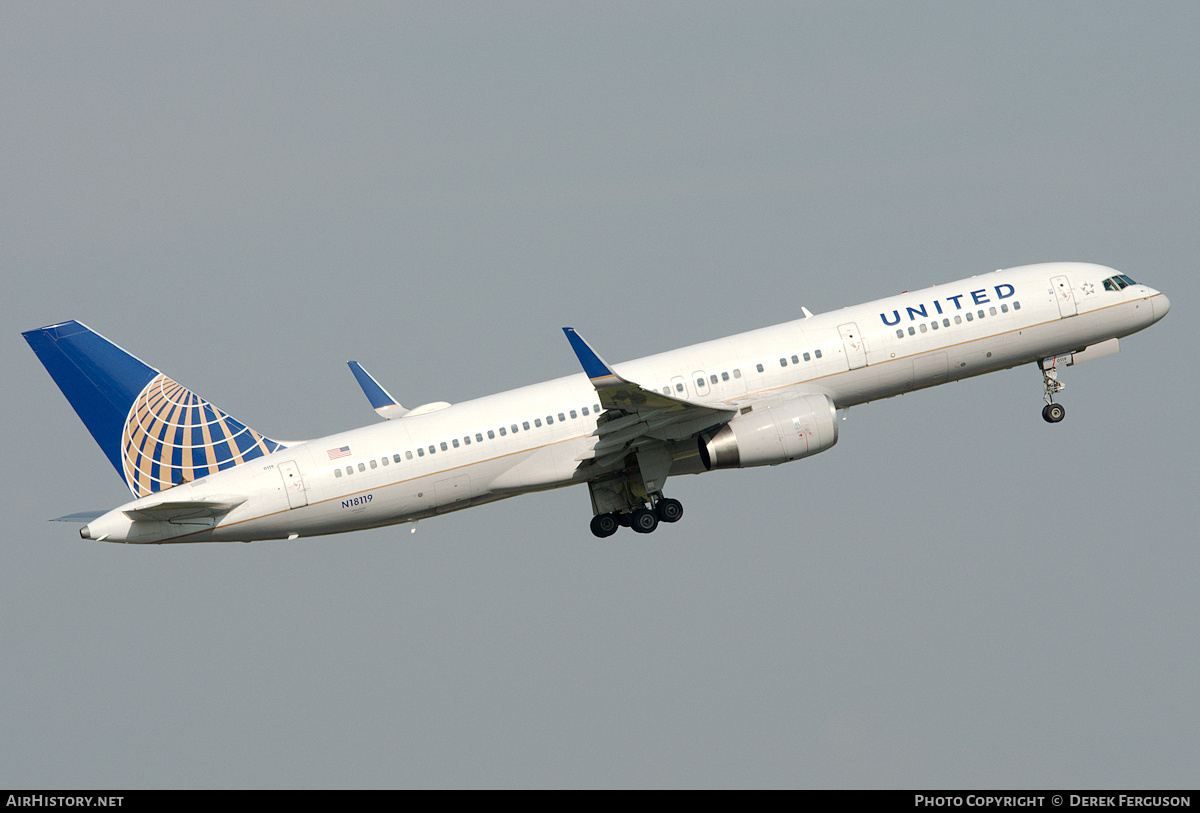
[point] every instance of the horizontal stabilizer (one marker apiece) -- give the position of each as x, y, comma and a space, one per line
383, 403
184, 511
81, 516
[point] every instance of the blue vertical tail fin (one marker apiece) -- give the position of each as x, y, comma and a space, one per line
155, 432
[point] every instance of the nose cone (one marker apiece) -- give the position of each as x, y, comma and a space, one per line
1161, 305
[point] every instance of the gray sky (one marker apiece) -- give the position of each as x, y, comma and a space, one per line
248, 195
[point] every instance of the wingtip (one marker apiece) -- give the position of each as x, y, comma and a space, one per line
376, 394
594, 367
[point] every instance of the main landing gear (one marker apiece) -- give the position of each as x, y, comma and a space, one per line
1052, 412
633, 496
644, 520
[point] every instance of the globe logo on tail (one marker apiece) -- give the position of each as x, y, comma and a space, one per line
173, 436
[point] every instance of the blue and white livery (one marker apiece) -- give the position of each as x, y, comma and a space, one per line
764, 397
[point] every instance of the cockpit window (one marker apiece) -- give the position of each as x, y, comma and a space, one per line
1118, 282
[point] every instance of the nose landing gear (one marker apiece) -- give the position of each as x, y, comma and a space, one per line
1052, 412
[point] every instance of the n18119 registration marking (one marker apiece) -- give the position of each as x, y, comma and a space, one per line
355, 502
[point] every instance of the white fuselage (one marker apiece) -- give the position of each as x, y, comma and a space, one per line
466, 454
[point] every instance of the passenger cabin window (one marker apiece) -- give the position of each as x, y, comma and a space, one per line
760, 368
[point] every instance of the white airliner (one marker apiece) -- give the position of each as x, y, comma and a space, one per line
755, 399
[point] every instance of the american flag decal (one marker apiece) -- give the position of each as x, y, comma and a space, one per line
334, 454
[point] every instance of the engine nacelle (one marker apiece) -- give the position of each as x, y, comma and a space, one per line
770, 435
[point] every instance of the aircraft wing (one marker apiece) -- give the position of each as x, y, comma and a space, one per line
634, 416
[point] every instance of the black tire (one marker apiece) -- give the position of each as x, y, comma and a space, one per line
1053, 413
604, 525
669, 510
643, 520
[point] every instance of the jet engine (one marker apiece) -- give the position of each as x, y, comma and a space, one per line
770, 435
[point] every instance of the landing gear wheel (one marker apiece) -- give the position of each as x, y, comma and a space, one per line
604, 525
1053, 413
669, 510
643, 520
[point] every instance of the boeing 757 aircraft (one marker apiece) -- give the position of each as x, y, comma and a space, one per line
755, 399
